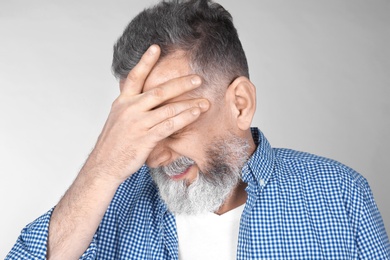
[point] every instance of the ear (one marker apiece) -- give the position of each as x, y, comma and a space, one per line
241, 97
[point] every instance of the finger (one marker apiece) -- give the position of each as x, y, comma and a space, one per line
135, 80
173, 109
173, 124
173, 88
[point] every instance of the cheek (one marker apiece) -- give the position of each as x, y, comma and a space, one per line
215, 123
159, 157
196, 148
189, 146
170, 149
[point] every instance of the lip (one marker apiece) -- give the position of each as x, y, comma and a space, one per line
181, 175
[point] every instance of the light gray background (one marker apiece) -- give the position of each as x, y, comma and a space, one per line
321, 69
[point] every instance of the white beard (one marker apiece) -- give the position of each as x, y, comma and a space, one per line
212, 187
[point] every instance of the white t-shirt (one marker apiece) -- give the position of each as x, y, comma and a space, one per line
209, 236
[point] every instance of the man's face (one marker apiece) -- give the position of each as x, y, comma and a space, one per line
203, 152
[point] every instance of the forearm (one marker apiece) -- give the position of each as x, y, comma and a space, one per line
78, 214
137, 122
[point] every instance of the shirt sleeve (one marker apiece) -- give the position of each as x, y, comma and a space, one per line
31, 243
372, 240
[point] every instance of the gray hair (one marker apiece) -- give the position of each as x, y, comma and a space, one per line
203, 29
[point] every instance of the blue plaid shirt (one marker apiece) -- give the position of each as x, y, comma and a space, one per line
299, 206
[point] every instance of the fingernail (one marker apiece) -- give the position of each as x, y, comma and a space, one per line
196, 80
152, 49
204, 104
195, 111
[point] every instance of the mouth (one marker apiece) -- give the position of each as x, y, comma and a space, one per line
181, 174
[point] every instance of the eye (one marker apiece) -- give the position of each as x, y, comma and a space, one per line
175, 134
180, 133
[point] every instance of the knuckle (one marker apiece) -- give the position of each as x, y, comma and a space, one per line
159, 136
161, 131
144, 62
192, 104
132, 76
119, 101
170, 111
168, 125
157, 92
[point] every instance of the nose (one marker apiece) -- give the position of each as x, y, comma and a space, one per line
161, 155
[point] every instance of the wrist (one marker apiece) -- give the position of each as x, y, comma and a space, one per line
104, 170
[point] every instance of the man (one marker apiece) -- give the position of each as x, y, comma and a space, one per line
177, 172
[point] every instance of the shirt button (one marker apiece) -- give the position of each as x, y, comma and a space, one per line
262, 183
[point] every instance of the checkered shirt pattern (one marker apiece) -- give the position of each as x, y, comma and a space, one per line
299, 206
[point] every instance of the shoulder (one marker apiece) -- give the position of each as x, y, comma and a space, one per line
309, 165
320, 176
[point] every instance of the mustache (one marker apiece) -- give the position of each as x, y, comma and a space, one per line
177, 166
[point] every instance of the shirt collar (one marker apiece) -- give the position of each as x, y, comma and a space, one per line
259, 168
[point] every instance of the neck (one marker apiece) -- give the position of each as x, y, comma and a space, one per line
236, 198
238, 195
